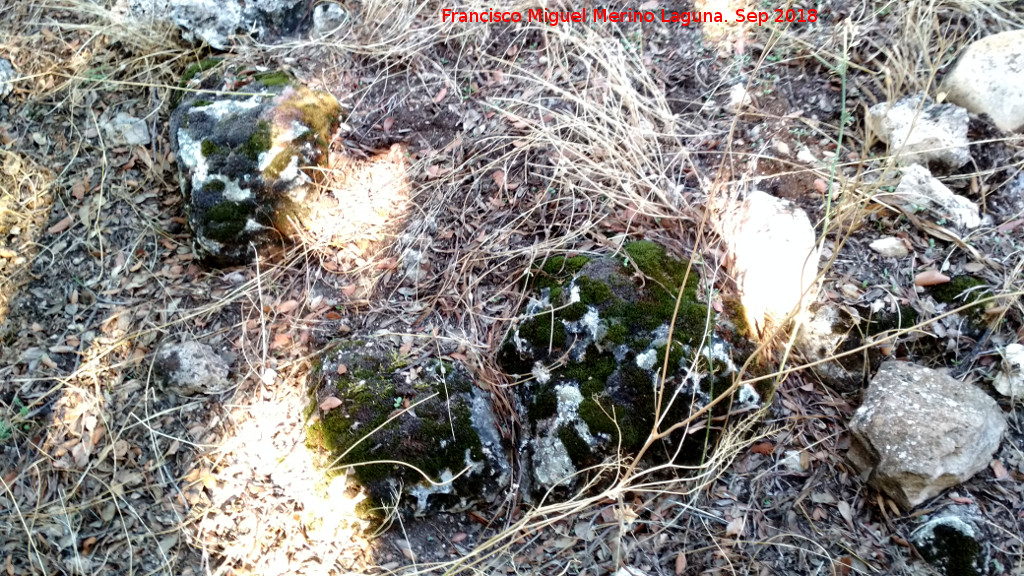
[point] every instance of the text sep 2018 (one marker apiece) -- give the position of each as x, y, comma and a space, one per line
556, 17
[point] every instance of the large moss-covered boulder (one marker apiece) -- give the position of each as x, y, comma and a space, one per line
420, 438
249, 158
589, 350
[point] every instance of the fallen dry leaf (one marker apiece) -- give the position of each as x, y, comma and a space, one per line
735, 527
61, 226
287, 306
930, 278
441, 94
626, 514
845, 511
680, 563
281, 339
999, 470
389, 263
330, 403
843, 566
388, 123
499, 178
764, 448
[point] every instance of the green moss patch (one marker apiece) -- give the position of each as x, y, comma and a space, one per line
384, 421
274, 78
225, 221
193, 70
600, 326
261, 140
879, 322
959, 290
209, 148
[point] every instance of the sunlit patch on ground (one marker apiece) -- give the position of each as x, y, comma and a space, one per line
263, 502
729, 36
365, 201
25, 198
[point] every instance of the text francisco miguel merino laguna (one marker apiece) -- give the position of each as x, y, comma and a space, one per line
556, 17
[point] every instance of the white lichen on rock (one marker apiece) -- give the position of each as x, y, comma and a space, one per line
646, 359
1010, 380
424, 490
541, 373
551, 461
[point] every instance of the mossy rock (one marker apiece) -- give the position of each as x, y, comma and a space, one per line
261, 147
953, 542
192, 79
591, 345
395, 424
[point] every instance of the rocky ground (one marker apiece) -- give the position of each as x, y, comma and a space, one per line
469, 155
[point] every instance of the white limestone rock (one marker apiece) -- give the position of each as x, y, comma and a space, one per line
1010, 380
552, 465
919, 189
739, 99
919, 131
192, 368
7, 77
327, 17
216, 21
989, 79
890, 247
774, 257
953, 539
920, 431
826, 332
126, 130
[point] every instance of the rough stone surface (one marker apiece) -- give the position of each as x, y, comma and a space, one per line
773, 254
589, 348
739, 99
192, 368
826, 331
952, 540
216, 21
7, 76
989, 79
125, 130
327, 17
890, 247
919, 189
1010, 379
919, 431
919, 131
249, 162
369, 407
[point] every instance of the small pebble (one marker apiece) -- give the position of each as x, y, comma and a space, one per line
890, 247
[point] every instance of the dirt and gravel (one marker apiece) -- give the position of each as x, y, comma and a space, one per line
470, 153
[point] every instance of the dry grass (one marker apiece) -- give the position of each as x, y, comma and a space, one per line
570, 146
